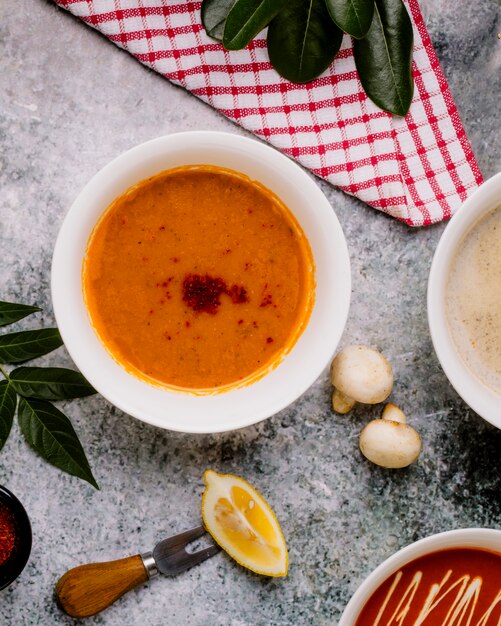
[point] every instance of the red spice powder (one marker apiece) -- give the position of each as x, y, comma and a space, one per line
7, 534
203, 293
237, 294
267, 300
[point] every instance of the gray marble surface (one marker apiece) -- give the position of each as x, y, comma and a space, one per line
69, 102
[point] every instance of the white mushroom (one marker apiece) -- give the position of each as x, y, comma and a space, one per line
360, 374
390, 442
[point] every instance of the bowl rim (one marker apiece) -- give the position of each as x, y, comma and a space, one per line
483, 400
459, 538
253, 149
11, 570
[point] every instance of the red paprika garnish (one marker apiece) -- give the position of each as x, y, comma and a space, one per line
7, 534
267, 300
237, 294
203, 293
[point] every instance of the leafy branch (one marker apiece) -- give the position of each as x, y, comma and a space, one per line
29, 389
304, 36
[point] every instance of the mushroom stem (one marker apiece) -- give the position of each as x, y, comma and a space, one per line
393, 413
341, 403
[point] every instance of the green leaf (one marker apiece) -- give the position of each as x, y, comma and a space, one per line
11, 312
246, 19
214, 13
384, 58
28, 344
303, 40
8, 401
352, 16
50, 383
50, 433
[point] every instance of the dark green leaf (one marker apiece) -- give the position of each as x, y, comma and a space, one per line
214, 13
50, 383
50, 433
246, 19
352, 16
384, 58
303, 40
11, 312
28, 344
8, 400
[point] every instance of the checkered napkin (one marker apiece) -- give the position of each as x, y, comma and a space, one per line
418, 169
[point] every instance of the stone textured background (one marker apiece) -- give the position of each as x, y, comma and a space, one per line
69, 102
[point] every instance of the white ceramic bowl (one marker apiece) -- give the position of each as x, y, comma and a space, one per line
486, 538
479, 397
236, 408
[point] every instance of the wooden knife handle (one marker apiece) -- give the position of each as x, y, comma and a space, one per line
88, 589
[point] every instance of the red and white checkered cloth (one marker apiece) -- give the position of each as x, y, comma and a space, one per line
419, 169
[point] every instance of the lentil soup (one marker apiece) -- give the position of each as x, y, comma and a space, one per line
198, 278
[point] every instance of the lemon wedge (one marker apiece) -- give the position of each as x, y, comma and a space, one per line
242, 523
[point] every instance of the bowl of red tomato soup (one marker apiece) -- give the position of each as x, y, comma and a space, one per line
449, 579
201, 281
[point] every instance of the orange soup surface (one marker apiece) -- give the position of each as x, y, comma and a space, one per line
456, 587
198, 278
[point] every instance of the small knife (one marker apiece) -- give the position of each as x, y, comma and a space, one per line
88, 589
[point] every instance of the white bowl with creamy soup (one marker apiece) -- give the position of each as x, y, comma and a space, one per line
449, 579
464, 301
201, 281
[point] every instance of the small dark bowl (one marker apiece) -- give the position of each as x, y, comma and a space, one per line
15, 564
